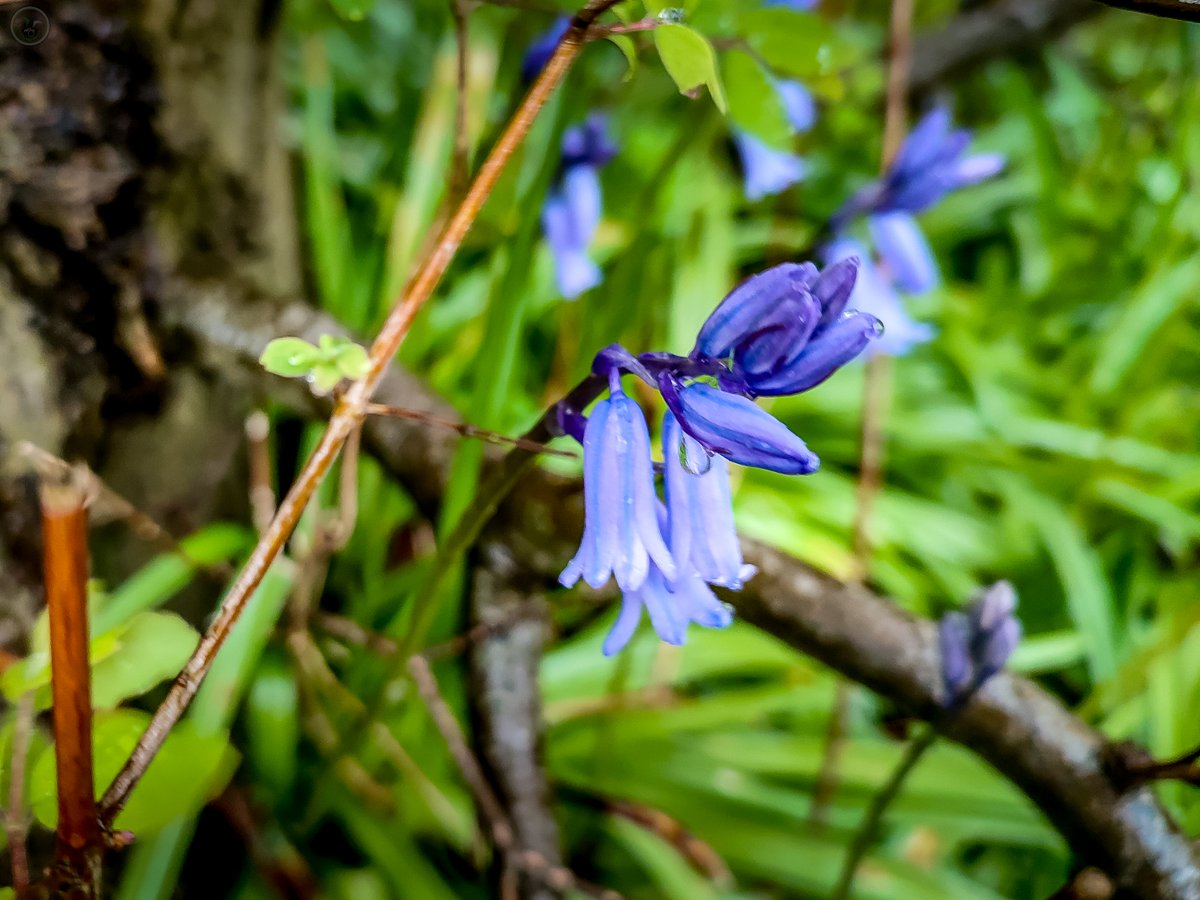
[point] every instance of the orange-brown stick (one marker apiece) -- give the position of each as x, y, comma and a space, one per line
65, 558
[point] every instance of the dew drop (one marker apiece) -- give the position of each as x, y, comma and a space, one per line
672, 15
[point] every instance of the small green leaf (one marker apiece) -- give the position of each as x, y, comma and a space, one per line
289, 356
754, 103
189, 770
690, 60
324, 377
150, 649
353, 361
625, 43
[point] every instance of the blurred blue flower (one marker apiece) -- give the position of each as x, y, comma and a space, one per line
931, 163
875, 294
975, 645
782, 331
542, 48
572, 209
792, 4
767, 170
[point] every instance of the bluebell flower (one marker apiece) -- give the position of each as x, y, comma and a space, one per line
542, 48
875, 294
931, 163
621, 529
671, 609
787, 329
973, 646
792, 4
782, 331
736, 428
572, 209
902, 246
700, 510
767, 170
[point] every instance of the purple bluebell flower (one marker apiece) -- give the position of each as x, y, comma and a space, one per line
734, 427
621, 530
787, 329
671, 607
542, 48
700, 510
792, 4
930, 164
768, 170
779, 332
876, 295
974, 645
572, 209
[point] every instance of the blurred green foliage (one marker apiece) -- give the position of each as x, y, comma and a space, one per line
1048, 435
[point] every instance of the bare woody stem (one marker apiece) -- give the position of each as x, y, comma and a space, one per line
65, 557
349, 411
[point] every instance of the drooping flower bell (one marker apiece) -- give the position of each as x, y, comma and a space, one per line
621, 530
974, 645
542, 48
769, 170
572, 209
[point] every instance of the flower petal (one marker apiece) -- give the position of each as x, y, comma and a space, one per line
834, 287
902, 245
832, 347
737, 429
747, 305
624, 627
798, 104
767, 171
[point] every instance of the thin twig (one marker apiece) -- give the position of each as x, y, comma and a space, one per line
16, 823
874, 815
348, 413
529, 861
876, 390
258, 451
470, 431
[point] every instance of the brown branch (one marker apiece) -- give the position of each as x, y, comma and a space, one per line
460, 168
64, 529
989, 32
528, 860
506, 704
1184, 10
348, 413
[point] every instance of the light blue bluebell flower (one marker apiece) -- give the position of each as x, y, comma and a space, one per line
903, 249
621, 529
572, 209
876, 294
703, 538
671, 607
768, 170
